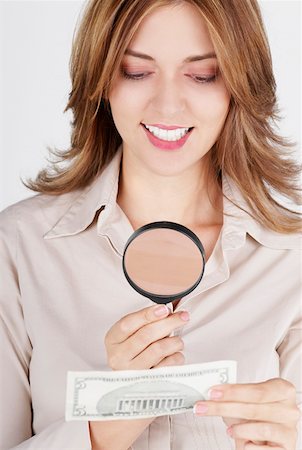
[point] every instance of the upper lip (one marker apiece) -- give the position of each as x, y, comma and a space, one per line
165, 127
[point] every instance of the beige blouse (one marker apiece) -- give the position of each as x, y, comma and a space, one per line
62, 287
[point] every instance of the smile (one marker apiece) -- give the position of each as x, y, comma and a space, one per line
167, 139
167, 135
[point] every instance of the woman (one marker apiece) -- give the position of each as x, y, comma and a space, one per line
173, 103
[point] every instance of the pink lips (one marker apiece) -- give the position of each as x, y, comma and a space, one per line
167, 145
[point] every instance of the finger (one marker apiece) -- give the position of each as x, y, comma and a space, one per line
273, 390
156, 352
262, 432
230, 422
177, 359
240, 444
267, 412
132, 322
251, 446
152, 332
258, 442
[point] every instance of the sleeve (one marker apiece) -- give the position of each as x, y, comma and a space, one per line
290, 357
15, 353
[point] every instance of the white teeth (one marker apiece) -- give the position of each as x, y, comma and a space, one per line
168, 135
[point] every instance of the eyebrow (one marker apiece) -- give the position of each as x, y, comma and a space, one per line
187, 60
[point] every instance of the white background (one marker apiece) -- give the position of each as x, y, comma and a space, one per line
35, 46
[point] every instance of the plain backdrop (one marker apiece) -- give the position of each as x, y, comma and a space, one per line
35, 46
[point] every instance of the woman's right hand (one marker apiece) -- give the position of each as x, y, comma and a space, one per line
140, 340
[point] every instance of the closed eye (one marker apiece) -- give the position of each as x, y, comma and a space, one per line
142, 75
210, 79
134, 76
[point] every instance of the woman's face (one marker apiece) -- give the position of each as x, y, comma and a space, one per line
169, 78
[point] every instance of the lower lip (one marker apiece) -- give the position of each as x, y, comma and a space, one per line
166, 145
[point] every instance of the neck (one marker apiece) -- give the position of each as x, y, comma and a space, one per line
191, 197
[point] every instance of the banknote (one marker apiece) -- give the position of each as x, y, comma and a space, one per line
132, 394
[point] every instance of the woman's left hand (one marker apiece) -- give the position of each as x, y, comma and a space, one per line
260, 416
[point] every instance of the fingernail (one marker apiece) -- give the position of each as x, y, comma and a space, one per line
215, 394
185, 316
230, 431
161, 310
200, 408
170, 308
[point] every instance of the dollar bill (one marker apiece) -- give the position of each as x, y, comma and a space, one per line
133, 394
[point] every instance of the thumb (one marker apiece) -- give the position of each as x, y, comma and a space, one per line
239, 442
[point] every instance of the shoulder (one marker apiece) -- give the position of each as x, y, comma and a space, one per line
65, 213
242, 218
273, 240
39, 211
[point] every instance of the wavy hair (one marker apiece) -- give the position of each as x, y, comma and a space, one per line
249, 149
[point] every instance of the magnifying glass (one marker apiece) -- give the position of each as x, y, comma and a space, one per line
164, 261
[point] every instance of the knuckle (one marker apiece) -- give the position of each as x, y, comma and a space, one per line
179, 358
179, 344
166, 347
253, 415
173, 345
144, 336
296, 414
286, 387
123, 325
157, 349
266, 432
148, 314
259, 393
290, 389
113, 361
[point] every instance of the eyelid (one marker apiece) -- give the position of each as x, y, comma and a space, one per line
135, 73
137, 76
133, 67
200, 74
147, 72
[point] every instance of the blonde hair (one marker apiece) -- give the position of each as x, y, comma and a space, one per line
248, 149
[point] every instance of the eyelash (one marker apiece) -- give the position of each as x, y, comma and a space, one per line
140, 76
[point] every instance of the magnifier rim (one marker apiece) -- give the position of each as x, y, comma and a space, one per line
172, 226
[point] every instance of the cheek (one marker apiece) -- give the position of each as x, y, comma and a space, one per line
212, 107
128, 99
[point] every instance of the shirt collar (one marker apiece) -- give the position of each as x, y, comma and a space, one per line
101, 194
242, 218
84, 204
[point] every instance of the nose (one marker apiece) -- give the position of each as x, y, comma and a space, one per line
168, 99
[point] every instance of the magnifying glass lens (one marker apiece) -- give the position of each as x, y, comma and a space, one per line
163, 262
